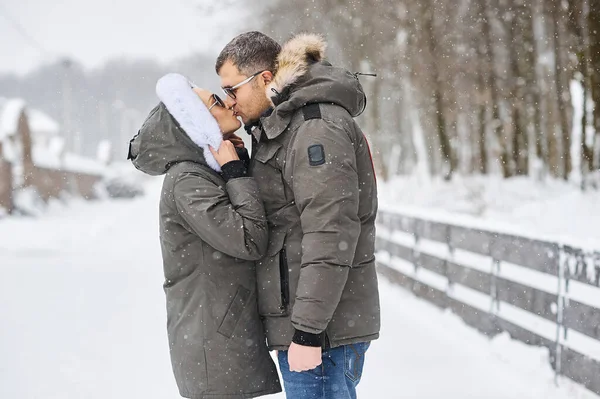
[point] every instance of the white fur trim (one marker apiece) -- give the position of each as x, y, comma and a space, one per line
175, 91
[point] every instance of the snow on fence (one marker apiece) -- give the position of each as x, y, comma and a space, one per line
540, 292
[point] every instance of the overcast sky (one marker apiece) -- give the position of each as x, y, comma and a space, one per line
93, 31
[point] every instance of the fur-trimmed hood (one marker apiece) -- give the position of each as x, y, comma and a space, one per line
178, 129
293, 61
304, 77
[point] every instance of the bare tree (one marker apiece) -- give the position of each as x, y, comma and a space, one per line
562, 93
520, 143
497, 126
594, 45
442, 135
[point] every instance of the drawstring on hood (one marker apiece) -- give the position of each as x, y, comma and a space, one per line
357, 74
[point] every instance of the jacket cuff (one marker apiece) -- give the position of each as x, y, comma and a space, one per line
307, 339
234, 170
242, 153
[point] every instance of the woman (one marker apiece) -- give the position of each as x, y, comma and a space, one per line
212, 228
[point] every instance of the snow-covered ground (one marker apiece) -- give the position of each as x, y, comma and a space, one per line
83, 316
553, 210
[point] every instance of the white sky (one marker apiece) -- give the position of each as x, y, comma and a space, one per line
93, 31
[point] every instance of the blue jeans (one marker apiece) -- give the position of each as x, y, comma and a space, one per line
336, 378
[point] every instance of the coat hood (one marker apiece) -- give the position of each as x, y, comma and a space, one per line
180, 128
304, 77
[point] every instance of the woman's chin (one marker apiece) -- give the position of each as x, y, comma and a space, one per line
230, 130
236, 125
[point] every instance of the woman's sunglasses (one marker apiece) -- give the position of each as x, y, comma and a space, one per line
216, 101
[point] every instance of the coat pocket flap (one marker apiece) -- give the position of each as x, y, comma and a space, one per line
266, 152
234, 312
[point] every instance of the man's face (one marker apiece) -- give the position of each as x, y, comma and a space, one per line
250, 99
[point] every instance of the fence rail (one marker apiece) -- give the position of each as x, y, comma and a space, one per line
523, 286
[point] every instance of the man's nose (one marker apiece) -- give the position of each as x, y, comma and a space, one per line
230, 102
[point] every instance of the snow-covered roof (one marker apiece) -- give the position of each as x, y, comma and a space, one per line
48, 157
81, 164
52, 158
10, 111
41, 123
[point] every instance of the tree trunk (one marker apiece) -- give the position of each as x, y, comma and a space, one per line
482, 110
375, 133
496, 122
578, 22
562, 95
533, 83
444, 141
520, 139
549, 105
409, 156
594, 40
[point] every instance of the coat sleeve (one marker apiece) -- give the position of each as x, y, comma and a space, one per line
231, 221
326, 191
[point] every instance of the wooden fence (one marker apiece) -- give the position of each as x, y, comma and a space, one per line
541, 293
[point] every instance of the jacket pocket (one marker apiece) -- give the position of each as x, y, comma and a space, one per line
271, 275
234, 312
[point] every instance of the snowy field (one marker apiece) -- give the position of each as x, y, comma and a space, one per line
554, 210
83, 316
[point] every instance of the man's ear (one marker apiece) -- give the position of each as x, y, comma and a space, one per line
267, 77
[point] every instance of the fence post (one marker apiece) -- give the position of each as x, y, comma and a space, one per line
495, 303
597, 268
450, 256
416, 253
564, 257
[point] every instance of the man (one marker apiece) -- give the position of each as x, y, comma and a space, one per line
317, 286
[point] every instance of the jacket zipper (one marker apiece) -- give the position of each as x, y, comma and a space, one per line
284, 276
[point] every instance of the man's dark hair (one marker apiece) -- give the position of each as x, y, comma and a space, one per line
250, 52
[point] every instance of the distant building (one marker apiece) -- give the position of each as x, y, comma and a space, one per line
32, 158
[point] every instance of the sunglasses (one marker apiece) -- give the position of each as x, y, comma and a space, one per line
216, 101
230, 91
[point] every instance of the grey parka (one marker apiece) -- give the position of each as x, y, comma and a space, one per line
211, 232
317, 284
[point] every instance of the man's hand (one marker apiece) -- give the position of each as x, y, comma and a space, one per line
303, 358
225, 153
